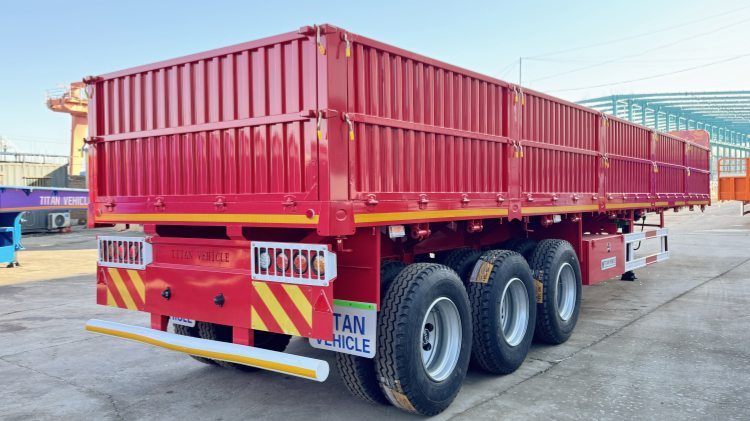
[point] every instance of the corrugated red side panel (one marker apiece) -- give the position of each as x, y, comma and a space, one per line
422, 128
560, 149
221, 123
239, 123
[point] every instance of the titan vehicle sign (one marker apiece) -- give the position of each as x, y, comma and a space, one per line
354, 326
17, 199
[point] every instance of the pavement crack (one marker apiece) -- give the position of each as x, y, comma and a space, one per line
32, 309
553, 364
109, 398
47, 347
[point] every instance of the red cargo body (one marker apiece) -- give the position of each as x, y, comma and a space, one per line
318, 137
230, 137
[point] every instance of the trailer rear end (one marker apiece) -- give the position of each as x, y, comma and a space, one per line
400, 211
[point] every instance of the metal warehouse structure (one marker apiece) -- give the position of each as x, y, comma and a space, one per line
725, 115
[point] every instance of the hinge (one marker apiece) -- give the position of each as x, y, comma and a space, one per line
325, 113
348, 48
91, 140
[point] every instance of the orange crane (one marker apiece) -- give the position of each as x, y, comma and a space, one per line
73, 100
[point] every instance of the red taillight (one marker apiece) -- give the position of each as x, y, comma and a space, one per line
318, 264
300, 263
282, 262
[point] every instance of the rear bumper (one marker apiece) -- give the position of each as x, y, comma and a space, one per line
295, 365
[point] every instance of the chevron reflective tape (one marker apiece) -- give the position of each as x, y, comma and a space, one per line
125, 289
282, 308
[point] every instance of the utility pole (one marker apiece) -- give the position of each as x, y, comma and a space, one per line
520, 70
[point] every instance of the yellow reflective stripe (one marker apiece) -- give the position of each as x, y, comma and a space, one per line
257, 322
269, 365
628, 205
275, 308
122, 289
403, 216
210, 217
138, 284
573, 208
295, 293
110, 299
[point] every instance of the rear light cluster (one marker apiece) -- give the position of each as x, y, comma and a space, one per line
124, 252
307, 264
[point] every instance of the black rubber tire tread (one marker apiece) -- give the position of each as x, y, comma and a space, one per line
261, 339
389, 269
359, 377
523, 246
402, 382
549, 328
358, 373
462, 261
487, 351
192, 331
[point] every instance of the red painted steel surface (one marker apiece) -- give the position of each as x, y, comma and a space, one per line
603, 258
196, 271
231, 136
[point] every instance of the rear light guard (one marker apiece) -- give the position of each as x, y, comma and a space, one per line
297, 263
124, 252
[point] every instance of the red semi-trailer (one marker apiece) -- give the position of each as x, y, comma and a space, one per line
400, 211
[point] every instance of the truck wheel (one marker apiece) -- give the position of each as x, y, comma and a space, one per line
523, 246
503, 309
262, 339
462, 261
192, 331
556, 267
424, 339
358, 373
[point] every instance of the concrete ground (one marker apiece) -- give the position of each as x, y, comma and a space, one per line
672, 345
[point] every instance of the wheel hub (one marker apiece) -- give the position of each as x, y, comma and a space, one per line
565, 292
514, 312
441, 339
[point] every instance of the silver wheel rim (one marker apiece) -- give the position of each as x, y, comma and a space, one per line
514, 312
441, 339
565, 294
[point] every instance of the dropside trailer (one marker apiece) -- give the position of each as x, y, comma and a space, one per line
402, 212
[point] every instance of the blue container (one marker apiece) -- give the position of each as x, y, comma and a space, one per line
10, 236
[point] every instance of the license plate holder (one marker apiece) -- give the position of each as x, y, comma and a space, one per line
354, 329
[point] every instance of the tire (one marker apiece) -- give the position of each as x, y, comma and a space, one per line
462, 262
192, 331
523, 246
358, 373
389, 269
424, 339
502, 276
556, 267
261, 339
